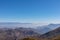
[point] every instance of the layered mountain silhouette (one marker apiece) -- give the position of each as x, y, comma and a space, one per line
46, 32
40, 29
43, 30
18, 33
52, 35
46, 28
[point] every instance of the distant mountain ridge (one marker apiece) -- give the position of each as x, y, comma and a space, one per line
16, 25
51, 35
43, 30
46, 28
39, 29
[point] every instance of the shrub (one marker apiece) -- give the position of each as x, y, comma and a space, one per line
28, 39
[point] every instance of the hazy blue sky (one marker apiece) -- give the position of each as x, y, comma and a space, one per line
37, 11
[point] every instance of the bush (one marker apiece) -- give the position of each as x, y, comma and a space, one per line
28, 39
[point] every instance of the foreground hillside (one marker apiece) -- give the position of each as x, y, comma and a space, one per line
28, 34
17, 34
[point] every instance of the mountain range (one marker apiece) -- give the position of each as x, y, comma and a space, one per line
37, 28
51, 35
46, 28
17, 32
